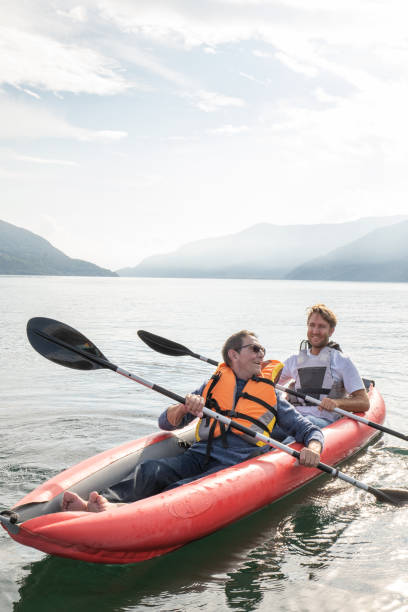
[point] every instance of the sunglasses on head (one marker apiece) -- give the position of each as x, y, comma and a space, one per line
257, 348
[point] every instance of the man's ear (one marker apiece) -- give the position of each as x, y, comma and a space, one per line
331, 332
232, 355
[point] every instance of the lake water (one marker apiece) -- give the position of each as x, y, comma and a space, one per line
326, 547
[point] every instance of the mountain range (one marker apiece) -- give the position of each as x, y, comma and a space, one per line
381, 255
369, 249
373, 248
22, 252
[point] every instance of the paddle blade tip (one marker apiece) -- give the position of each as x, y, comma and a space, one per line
162, 345
395, 497
59, 343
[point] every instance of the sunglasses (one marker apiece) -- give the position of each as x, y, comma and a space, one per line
257, 348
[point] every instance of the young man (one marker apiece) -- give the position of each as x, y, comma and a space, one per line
240, 389
322, 371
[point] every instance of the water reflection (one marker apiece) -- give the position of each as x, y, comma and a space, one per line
235, 566
284, 546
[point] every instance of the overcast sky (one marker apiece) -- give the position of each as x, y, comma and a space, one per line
130, 127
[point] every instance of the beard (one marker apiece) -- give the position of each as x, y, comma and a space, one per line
321, 343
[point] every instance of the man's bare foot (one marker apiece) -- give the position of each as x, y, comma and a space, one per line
71, 502
99, 503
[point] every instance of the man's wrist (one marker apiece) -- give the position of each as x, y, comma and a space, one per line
315, 446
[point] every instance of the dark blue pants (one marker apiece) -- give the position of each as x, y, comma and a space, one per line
157, 475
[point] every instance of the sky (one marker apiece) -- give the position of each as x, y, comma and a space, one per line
131, 127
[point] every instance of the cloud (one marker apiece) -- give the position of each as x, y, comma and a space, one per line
328, 132
41, 160
210, 101
187, 88
77, 13
308, 37
42, 62
32, 93
263, 54
254, 79
231, 129
296, 65
322, 96
44, 48
23, 121
149, 62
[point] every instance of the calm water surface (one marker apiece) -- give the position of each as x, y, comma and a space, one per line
326, 547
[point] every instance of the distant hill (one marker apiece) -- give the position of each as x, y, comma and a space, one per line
22, 252
381, 255
261, 251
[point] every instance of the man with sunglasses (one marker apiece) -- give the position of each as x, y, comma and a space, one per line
241, 389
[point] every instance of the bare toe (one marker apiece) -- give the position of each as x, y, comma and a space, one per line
71, 502
99, 503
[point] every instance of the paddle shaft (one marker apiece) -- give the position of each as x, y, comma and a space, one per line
219, 417
308, 398
114, 368
350, 415
313, 400
334, 472
207, 359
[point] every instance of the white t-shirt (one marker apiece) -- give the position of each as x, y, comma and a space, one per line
342, 369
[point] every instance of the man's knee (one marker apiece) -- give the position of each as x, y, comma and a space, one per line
157, 471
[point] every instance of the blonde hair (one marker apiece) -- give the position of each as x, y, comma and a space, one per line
327, 314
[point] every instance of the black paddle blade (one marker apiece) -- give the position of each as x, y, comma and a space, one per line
59, 342
162, 345
396, 497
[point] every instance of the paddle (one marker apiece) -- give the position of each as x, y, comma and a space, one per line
66, 346
167, 347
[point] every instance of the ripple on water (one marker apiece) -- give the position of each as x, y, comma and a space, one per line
346, 550
396, 450
312, 529
17, 480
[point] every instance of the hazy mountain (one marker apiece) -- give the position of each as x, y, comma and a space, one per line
261, 251
22, 252
381, 255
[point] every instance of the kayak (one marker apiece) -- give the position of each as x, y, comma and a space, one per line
162, 523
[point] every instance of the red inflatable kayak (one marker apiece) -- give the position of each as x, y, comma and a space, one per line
164, 522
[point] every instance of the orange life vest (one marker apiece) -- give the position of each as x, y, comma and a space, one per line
255, 407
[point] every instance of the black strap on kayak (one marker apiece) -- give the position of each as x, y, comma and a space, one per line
183, 444
9, 520
12, 516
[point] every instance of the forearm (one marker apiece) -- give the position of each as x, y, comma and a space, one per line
356, 402
175, 414
179, 415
